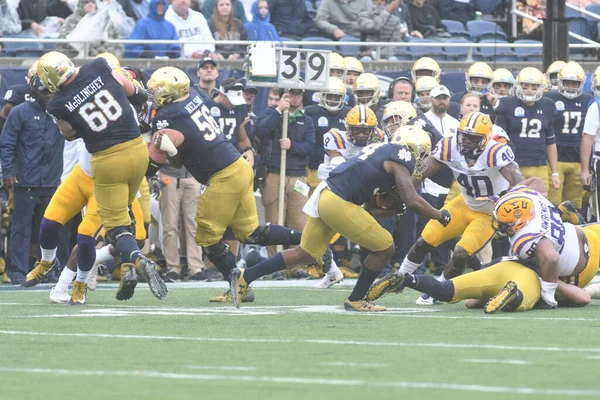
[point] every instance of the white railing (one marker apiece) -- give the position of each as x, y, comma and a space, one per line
583, 11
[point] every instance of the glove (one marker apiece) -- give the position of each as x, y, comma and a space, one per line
445, 219
165, 144
401, 209
156, 185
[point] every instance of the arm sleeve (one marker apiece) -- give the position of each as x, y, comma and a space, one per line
306, 146
8, 142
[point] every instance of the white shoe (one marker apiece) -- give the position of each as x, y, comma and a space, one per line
426, 300
593, 290
59, 296
93, 277
329, 280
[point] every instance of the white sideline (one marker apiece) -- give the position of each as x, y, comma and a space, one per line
221, 368
353, 364
307, 381
312, 341
489, 361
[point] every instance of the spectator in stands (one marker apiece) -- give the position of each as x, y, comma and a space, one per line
290, 17
536, 8
239, 12
224, 26
339, 18
380, 23
191, 26
32, 13
459, 10
136, 9
154, 27
426, 21
31, 154
260, 28
112, 31
61, 8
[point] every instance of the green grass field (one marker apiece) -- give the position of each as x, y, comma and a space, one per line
291, 343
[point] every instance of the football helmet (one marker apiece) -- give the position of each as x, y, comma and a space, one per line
110, 58
334, 98
54, 69
502, 75
397, 114
533, 76
337, 66
417, 141
353, 69
425, 66
32, 72
573, 72
473, 134
512, 213
168, 85
367, 89
482, 71
361, 123
596, 84
425, 84
552, 73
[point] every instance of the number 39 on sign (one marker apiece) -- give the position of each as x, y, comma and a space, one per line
316, 69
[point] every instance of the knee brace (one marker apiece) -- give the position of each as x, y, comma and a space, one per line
260, 234
116, 233
221, 256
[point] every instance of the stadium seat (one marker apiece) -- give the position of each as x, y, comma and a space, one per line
456, 28
570, 13
457, 53
528, 53
497, 53
330, 47
579, 26
310, 8
488, 6
482, 30
352, 51
593, 22
434, 52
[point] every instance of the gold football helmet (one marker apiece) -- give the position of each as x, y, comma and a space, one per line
110, 58
484, 75
425, 84
334, 98
512, 213
353, 69
552, 73
361, 124
54, 69
571, 72
417, 141
596, 85
337, 66
397, 114
500, 78
532, 76
367, 89
32, 71
168, 85
473, 134
425, 66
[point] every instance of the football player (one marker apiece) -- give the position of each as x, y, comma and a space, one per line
423, 86
95, 104
482, 167
353, 70
337, 206
503, 83
337, 66
17, 94
528, 118
479, 81
571, 106
367, 90
552, 74
186, 134
425, 66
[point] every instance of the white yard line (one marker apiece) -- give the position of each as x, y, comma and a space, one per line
489, 361
220, 368
312, 341
354, 364
592, 357
68, 373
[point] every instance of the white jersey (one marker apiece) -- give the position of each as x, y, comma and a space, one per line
337, 140
481, 179
547, 224
85, 161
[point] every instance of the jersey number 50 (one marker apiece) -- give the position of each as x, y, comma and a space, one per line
99, 111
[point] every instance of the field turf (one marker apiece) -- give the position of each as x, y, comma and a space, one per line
293, 342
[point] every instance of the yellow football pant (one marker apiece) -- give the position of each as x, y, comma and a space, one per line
117, 173
350, 220
144, 200
570, 185
543, 172
592, 233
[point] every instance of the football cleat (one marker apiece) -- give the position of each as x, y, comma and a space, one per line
314, 272
40, 270
362, 306
426, 300
331, 278
59, 296
78, 295
348, 273
128, 282
593, 290
502, 299
227, 298
568, 213
147, 269
93, 278
239, 287
389, 283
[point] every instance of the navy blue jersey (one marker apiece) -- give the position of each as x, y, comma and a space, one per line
18, 94
485, 106
229, 120
363, 176
568, 125
312, 98
205, 150
531, 129
96, 106
324, 121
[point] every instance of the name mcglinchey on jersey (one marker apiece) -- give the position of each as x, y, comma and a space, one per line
84, 94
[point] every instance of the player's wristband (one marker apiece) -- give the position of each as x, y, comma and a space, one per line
249, 148
153, 167
555, 174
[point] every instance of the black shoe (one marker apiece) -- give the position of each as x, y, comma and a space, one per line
199, 276
213, 275
172, 276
